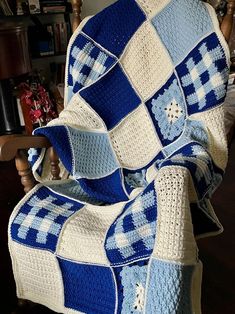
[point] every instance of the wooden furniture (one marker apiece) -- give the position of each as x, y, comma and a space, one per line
14, 146
227, 23
14, 61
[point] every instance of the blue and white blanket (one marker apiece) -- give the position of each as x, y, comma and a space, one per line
142, 135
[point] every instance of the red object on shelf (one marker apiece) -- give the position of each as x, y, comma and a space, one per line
37, 106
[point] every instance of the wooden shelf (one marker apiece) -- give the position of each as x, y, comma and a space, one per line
32, 15
48, 56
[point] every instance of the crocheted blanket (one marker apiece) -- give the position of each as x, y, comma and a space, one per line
142, 136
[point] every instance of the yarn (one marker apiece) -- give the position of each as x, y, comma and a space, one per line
142, 138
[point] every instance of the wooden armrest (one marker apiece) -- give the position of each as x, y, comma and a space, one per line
10, 144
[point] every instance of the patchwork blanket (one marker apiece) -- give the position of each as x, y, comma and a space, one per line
142, 136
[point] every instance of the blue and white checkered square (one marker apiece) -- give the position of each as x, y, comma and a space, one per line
203, 75
132, 235
87, 62
40, 220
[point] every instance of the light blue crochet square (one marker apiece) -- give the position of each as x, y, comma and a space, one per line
134, 282
168, 112
93, 156
169, 288
184, 22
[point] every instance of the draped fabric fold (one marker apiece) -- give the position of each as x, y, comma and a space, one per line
142, 136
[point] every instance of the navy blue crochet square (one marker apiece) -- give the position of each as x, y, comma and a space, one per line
168, 112
59, 138
132, 235
112, 29
41, 218
108, 190
87, 62
87, 288
203, 74
112, 96
137, 178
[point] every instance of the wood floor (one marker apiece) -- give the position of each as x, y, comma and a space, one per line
216, 253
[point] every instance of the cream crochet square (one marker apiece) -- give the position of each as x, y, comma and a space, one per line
79, 114
213, 121
174, 233
152, 7
84, 234
146, 61
37, 276
135, 140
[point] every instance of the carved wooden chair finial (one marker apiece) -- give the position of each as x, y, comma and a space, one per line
227, 23
76, 5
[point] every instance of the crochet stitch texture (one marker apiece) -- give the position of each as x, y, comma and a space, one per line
142, 136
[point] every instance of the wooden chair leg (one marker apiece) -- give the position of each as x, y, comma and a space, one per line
24, 170
54, 161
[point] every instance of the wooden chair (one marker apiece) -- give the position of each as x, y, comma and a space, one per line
15, 146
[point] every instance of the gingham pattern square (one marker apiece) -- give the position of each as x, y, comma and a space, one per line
132, 235
39, 221
203, 75
87, 62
